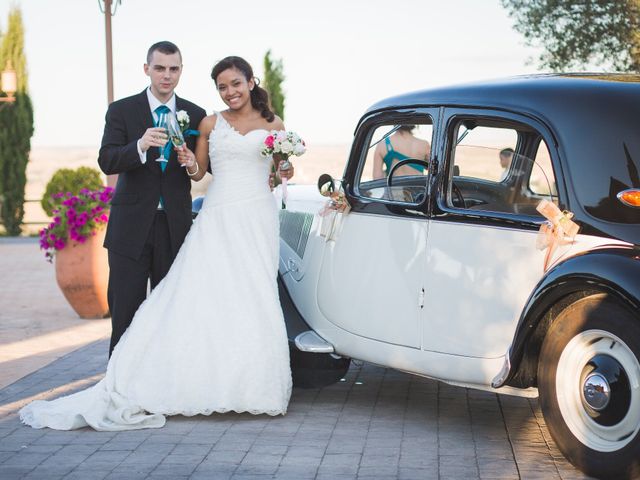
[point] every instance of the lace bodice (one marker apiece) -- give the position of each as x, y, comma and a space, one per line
239, 170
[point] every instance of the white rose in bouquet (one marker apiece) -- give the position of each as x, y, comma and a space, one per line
286, 147
298, 149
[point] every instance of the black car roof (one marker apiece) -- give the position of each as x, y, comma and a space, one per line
520, 91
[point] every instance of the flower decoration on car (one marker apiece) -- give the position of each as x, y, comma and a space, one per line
559, 229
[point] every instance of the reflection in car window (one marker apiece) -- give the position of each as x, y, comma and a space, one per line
542, 181
402, 150
485, 152
489, 173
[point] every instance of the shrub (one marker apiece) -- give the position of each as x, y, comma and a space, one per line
70, 181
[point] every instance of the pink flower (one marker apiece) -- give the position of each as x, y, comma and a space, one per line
269, 141
76, 218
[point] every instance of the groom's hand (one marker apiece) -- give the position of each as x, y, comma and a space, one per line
153, 137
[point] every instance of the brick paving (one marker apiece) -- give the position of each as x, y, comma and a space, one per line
37, 325
375, 424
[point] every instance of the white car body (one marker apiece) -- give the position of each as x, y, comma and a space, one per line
414, 320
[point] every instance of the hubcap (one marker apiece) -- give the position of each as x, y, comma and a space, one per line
606, 393
596, 392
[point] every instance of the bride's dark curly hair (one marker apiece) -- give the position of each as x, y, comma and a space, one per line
259, 96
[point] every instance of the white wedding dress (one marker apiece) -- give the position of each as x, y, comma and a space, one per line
211, 336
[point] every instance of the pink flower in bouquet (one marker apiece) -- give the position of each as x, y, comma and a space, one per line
269, 141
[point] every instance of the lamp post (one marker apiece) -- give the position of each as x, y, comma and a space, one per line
8, 84
109, 8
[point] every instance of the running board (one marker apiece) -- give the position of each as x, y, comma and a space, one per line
310, 341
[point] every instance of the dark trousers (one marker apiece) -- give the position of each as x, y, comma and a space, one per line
128, 277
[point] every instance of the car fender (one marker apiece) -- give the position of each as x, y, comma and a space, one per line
608, 269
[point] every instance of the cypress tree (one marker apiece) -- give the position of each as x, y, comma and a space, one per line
273, 79
16, 129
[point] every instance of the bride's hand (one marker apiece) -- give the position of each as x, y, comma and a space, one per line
288, 173
186, 157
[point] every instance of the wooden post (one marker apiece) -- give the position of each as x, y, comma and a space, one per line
111, 179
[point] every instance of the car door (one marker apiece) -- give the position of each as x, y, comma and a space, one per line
482, 260
372, 273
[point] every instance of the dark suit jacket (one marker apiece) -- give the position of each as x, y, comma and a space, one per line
140, 185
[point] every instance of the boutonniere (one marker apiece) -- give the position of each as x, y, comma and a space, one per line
183, 121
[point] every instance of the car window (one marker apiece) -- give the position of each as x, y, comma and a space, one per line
402, 150
542, 180
489, 172
485, 153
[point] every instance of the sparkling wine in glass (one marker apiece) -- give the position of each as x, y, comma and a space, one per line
162, 123
175, 133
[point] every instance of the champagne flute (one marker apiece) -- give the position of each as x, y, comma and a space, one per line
175, 133
162, 123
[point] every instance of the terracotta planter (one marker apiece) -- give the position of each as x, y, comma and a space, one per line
82, 272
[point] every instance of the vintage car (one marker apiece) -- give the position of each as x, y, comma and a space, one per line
518, 275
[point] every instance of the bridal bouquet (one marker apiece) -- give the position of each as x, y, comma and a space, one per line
283, 143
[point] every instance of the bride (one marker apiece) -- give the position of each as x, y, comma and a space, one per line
211, 336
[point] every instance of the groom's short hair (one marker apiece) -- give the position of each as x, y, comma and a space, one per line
165, 47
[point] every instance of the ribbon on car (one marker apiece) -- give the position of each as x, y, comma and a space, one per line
337, 203
559, 229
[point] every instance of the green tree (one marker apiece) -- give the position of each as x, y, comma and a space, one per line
273, 79
576, 33
16, 129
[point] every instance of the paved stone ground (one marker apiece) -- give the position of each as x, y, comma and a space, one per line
37, 325
375, 424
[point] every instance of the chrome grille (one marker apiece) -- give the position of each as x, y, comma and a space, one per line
294, 229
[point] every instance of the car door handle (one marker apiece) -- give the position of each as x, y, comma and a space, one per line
292, 266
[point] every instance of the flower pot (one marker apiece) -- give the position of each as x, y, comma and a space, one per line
82, 272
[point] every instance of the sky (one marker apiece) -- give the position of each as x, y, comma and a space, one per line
339, 56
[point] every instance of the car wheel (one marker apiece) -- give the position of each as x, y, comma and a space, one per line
589, 385
316, 370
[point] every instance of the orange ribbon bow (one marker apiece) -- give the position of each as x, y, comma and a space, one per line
559, 229
337, 203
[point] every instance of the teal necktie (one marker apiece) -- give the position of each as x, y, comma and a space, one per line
167, 148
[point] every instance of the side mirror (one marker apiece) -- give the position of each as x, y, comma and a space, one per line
326, 185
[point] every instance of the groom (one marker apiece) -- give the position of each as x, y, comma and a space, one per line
151, 207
